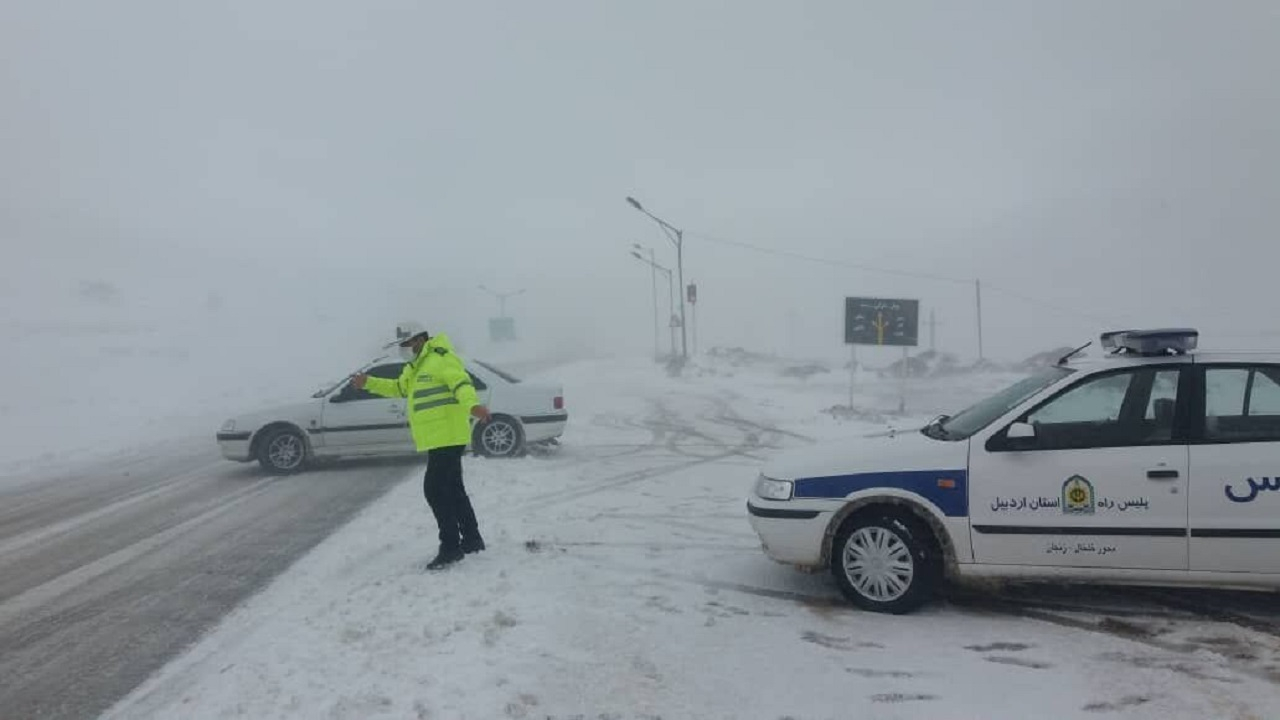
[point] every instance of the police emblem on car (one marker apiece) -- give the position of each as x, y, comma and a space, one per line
1077, 496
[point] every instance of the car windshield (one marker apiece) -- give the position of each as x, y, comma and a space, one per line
326, 389
976, 417
504, 375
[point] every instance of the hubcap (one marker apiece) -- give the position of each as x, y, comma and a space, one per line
878, 564
499, 438
285, 452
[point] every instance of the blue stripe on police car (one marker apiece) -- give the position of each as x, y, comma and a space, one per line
948, 489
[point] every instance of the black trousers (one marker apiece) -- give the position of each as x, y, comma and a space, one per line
448, 498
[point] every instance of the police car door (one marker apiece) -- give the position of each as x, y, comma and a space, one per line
1235, 471
359, 421
1098, 477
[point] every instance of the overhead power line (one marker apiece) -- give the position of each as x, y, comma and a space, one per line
829, 261
1090, 316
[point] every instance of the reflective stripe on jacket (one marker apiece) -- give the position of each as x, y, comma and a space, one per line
438, 396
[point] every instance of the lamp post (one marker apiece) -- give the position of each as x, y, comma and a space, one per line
502, 299
653, 277
670, 287
677, 238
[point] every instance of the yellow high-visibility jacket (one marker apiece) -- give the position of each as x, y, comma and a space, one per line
438, 394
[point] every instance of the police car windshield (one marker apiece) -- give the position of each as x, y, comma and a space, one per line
969, 421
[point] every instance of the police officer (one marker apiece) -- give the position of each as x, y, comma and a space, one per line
440, 400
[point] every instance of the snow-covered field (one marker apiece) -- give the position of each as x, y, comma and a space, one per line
623, 581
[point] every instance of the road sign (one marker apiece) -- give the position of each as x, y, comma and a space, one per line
881, 321
693, 294
502, 329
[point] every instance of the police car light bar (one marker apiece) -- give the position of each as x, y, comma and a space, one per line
1175, 341
1109, 339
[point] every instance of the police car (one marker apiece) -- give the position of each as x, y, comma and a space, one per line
1154, 464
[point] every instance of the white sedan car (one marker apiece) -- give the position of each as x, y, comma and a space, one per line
341, 421
1154, 465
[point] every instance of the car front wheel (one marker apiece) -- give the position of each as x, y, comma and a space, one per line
283, 451
885, 561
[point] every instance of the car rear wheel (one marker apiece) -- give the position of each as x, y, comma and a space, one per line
283, 451
500, 437
885, 561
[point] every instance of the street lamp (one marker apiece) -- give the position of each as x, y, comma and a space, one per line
670, 293
502, 298
677, 238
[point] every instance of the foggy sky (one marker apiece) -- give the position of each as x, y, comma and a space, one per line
384, 158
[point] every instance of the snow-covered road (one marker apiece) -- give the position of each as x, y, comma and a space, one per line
623, 581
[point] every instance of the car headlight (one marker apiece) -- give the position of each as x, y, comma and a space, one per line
770, 489
228, 426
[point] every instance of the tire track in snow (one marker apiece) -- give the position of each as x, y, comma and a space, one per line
613, 482
661, 426
809, 600
996, 607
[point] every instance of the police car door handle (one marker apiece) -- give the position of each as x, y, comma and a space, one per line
1162, 474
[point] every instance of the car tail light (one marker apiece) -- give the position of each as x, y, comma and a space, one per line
558, 403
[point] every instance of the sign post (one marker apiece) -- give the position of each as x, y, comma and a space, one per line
502, 329
853, 371
902, 383
883, 322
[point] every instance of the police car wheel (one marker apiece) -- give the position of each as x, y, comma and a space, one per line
500, 437
282, 452
885, 561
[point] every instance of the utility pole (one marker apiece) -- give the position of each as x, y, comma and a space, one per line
671, 305
695, 329
691, 294
676, 235
670, 290
977, 285
933, 332
684, 326
653, 277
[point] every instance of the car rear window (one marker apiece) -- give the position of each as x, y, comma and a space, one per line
504, 375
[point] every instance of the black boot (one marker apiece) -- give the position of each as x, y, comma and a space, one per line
473, 545
445, 558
